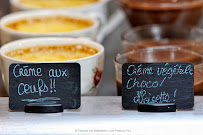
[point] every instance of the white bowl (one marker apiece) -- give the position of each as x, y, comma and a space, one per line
17, 6
8, 34
98, 8
88, 64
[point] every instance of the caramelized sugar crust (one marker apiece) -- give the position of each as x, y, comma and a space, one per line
49, 24
56, 3
52, 53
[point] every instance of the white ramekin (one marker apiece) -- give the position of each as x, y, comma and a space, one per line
99, 9
8, 34
91, 67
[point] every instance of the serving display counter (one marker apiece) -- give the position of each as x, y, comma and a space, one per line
102, 115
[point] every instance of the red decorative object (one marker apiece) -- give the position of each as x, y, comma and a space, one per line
97, 77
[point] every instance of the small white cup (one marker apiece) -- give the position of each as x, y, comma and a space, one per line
8, 34
88, 64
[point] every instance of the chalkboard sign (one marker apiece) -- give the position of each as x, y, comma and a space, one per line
47, 83
158, 83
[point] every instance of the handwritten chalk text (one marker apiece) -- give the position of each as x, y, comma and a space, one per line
177, 69
132, 70
40, 88
58, 73
19, 71
143, 84
156, 85
146, 97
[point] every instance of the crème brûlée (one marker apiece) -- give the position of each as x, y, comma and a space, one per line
56, 3
49, 24
52, 53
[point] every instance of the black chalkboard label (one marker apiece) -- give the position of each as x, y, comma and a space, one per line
158, 83
46, 83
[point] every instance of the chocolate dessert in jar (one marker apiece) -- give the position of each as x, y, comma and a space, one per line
198, 80
178, 12
154, 54
187, 37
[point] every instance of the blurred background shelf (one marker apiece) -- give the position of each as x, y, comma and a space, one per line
112, 46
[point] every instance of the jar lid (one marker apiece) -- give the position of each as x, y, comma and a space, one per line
43, 108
